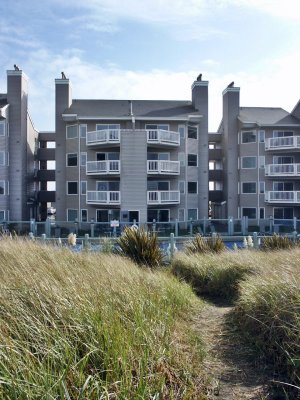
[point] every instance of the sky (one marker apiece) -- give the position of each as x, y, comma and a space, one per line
153, 49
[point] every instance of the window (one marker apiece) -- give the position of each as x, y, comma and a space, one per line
277, 134
192, 213
248, 137
2, 128
283, 186
2, 215
2, 187
249, 187
82, 130
158, 156
108, 186
181, 214
83, 158
84, 215
72, 187
261, 136
283, 160
181, 130
249, 212
283, 213
107, 156
181, 158
72, 160
72, 214
156, 127
261, 187
2, 158
192, 132
72, 131
107, 215
181, 187
158, 215
83, 187
261, 161
104, 127
192, 187
261, 213
192, 160
248, 162
158, 185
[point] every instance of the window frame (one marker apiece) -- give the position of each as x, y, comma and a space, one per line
189, 161
193, 219
244, 157
71, 126
248, 208
69, 210
250, 182
188, 189
67, 159
72, 194
4, 187
254, 133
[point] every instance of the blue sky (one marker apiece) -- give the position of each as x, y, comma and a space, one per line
153, 49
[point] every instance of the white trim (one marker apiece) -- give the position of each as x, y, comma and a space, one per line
242, 189
196, 213
71, 209
242, 208
187, 187
248, 167
67, 189
192, 154
253, 131
262, 208
87, 214
69, 126
114, 118
81, 182
67, 154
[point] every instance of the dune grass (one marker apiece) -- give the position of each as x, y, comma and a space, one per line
93, 326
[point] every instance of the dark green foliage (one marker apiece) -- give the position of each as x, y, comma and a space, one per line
209, 276
199, 244
277, 242
141, 246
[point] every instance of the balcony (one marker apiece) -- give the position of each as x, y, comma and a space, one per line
282, 170
107, 136
283, 143
107, 167
155, 197
289, 197
163, 137
103, 197
155, 167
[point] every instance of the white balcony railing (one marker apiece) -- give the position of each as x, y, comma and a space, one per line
283, 143
282, 170
282, 197
107, 167
163, 197
163, 167
160, 136
107, 136
103, 197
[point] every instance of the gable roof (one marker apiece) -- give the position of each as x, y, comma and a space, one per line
265, 116
140, 108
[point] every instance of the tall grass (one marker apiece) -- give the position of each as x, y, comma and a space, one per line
212, 275
88, 326
201, 245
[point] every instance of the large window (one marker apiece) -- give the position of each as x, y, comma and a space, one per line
72, 187
277, 134
107, 215
72, 214
72, 160
158, 156
192, 132
163, 127
104, 127
2, 187
192, 213
158, 185
283, 213
249, 187
283, 160
158, 215
72, 131
249, 212
248, 162
192, 160
192, 187
2, 128
283, 186
248, 137
108, 186
108, 156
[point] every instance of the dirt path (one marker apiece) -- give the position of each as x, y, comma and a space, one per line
230, 366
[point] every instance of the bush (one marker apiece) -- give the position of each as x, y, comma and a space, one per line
267, 313
277, 242
199, 244
140, 246
210, 276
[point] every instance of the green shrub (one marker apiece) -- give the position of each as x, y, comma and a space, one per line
199, 244
210, 276
268, 314
140, 246
277, 242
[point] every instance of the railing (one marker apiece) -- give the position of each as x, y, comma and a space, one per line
103, 137
108, 167
287, 142
160, 136
282, 170
163, 167
103, 197
163, 197
282, 197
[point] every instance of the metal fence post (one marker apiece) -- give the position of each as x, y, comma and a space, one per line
86, 240
176, 227
172, 246
191, 227
48, 227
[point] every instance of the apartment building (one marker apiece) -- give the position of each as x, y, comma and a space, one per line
255, 161
131, 160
